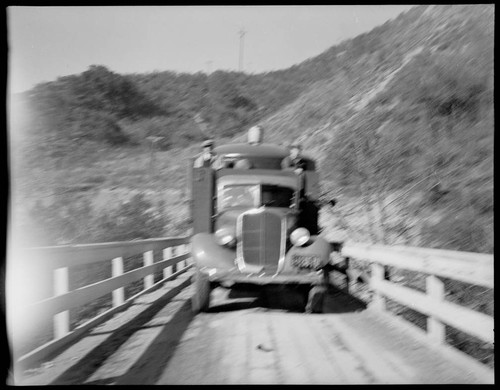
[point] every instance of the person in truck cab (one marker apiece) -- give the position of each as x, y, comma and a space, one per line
207, 157
294, 161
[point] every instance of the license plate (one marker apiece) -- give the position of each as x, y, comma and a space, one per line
302, 261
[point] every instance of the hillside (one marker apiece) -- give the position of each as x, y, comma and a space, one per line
401, 119
404, 131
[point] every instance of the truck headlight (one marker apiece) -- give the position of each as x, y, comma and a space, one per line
225, 236
300, 236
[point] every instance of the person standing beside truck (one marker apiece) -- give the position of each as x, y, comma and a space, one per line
294, 161
308, 213
207, 157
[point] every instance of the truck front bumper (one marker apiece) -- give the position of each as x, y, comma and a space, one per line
235, 276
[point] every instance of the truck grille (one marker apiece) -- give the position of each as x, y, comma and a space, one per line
262, 240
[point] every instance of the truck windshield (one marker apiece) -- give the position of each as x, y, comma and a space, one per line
277, 196
244, 195
238, 196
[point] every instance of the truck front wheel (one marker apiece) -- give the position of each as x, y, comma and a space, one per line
201, 298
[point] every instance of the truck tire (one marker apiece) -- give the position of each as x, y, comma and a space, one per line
200, 301
315, 299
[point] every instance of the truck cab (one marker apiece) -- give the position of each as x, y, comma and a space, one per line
254, 222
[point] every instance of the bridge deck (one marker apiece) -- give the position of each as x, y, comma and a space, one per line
256, 344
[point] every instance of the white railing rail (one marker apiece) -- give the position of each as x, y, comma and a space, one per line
33, 265
467, 267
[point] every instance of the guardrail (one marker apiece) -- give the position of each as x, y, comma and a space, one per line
57, 262
472, 268
33, 265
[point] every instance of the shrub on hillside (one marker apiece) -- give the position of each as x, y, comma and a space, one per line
88, 106
73, 221
456, 230
100, 89
134, 219
58, 223
158, 126
99, 126
445, 83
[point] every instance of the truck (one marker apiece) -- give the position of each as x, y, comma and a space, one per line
257, 223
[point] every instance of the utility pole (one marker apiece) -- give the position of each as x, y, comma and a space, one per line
242, 33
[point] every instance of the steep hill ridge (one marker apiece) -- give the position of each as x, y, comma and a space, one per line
365, 64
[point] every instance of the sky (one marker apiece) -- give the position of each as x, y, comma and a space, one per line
49, 42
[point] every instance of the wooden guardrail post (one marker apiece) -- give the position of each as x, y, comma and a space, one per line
189, 260
182, 250
175, 252
117, 270
167, 254
435, 328
378, 274
148, 260
61, 320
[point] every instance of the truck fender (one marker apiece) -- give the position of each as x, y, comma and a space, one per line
207, 253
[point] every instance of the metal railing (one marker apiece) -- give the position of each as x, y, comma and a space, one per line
471, 268
30, 267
